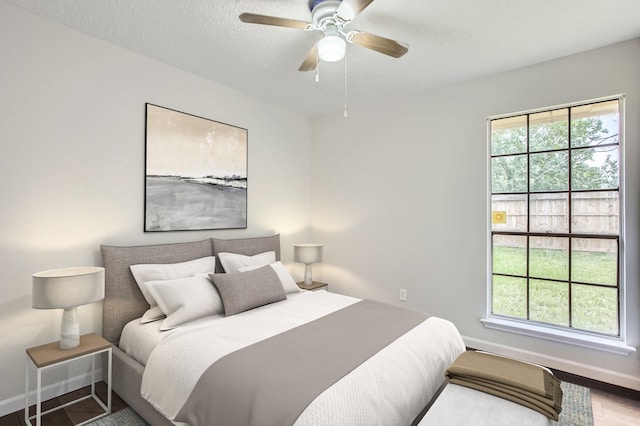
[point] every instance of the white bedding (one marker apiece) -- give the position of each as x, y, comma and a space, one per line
390, 388
139, 340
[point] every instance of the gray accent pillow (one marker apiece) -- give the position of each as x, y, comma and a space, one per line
242, 291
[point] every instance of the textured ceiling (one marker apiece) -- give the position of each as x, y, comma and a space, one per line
449, 41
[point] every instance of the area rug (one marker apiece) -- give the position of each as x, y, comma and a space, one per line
576, 410
576, 406
124, 417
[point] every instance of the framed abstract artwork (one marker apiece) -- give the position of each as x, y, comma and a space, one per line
195, 172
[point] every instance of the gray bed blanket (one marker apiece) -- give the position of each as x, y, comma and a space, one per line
273, 381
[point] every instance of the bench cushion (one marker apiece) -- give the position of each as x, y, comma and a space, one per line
462, 406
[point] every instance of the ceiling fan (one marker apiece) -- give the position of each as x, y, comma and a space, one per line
332, 17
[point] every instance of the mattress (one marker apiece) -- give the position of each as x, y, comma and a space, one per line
391, 387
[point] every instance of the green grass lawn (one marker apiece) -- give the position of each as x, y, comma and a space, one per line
593, 308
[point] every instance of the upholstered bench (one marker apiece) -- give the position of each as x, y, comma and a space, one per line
492, 390
462, 406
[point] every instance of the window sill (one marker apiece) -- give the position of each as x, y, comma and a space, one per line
585, 340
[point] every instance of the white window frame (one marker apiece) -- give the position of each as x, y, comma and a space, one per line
613, 344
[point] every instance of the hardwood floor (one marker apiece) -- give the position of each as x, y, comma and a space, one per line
612, 405
612, 410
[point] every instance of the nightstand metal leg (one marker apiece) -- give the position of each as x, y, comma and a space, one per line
38, 397
109, 381
93, 376
26, 392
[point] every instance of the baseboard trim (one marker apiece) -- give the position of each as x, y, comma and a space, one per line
16, 403
577, 368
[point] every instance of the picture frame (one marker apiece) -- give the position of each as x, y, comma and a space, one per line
195, 172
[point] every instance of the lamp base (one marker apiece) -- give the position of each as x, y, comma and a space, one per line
70, 329
307, 274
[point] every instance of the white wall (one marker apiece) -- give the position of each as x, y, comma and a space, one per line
399, 199
72, 114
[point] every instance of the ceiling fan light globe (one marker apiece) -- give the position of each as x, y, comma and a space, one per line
331, 48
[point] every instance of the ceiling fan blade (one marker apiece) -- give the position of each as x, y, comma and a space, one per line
349, 9
252, 18
311, 60
379, 44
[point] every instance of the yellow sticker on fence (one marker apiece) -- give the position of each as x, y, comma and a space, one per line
499, 217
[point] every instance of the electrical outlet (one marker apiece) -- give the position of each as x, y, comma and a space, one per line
403, 294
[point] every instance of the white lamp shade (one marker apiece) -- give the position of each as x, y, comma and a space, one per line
67, 287
307, 253
331, 48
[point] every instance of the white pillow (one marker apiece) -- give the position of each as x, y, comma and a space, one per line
288, 283
185, 299
168, 271
232, 262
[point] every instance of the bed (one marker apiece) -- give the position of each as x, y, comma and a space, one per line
393, 384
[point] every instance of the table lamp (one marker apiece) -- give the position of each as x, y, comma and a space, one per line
307, 254
67, 289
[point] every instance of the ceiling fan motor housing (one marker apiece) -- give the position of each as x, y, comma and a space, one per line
323, 11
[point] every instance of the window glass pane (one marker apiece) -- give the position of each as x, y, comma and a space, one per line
549, 302
509, 135
594, 168
595, 212
510, 254
549, 172
549, 212
509, 174
595, 124
509, 212
594, 308
594, 260
549, 130
549, 257
510, 296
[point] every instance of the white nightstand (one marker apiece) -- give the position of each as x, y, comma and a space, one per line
45, 356
315, 285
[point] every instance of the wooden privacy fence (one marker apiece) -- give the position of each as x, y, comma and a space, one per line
592, 213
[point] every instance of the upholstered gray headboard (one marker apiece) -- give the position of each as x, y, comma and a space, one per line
123, 299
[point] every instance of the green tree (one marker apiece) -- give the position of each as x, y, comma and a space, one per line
549, 158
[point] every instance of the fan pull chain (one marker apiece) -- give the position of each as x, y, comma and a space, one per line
346, 112
317, 68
